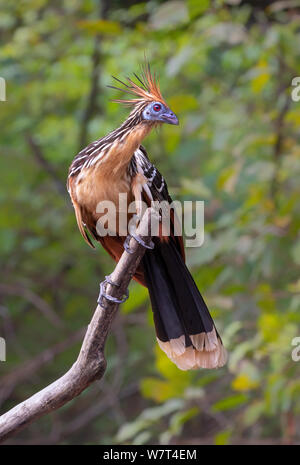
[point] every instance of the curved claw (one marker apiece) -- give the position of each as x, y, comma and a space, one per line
139, 240
126, 244
103, 295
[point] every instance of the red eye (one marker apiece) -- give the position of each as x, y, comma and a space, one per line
156, 107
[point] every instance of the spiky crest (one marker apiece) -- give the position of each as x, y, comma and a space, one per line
146, 91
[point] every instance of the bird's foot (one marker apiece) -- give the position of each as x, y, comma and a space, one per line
103, 295
139, 240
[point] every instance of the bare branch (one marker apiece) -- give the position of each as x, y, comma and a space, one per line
34, 299
90, 364
30, 367
92, 105
45, 164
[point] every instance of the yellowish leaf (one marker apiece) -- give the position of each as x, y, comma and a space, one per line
101, 26
243, 383
259, 82
261, 78
159, 390
270, 326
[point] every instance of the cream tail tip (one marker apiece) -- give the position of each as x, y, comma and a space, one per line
207, 351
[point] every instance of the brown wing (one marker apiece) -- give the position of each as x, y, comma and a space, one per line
78, 214
112, 244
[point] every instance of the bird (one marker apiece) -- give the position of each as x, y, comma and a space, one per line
119, 163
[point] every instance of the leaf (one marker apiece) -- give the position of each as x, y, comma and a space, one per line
223, 437
229, 177
296, 252
243, 383
147, 418
101, 26
240, 352
261, 78
177, 61
160, 391
142, 438
171, 139
196, 187
252, 413
183, 102
259, 82
139, 295
197, 7
180, 418
270, 326
227, 32
230, 402
169, 15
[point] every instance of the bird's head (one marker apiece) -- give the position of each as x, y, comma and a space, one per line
149, 106
159, 112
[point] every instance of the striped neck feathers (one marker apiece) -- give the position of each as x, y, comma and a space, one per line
128, 137
117, 148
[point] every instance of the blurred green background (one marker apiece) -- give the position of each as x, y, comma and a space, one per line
225, 67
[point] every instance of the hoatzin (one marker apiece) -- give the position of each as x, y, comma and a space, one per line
118, 163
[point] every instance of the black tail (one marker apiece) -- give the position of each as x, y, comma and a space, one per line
184, 328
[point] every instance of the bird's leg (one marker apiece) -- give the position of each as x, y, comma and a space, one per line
139, 184
103, 295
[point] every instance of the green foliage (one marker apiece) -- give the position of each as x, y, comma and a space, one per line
226, 70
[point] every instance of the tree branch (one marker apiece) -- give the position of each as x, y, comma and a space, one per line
29, 368
34, 299
45, 164
279, 123
90, 364
92, 106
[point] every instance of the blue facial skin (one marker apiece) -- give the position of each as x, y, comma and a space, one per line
156, 111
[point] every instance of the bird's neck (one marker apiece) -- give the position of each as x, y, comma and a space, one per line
127, 141
133, 136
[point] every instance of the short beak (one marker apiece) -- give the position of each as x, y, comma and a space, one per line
169, 117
